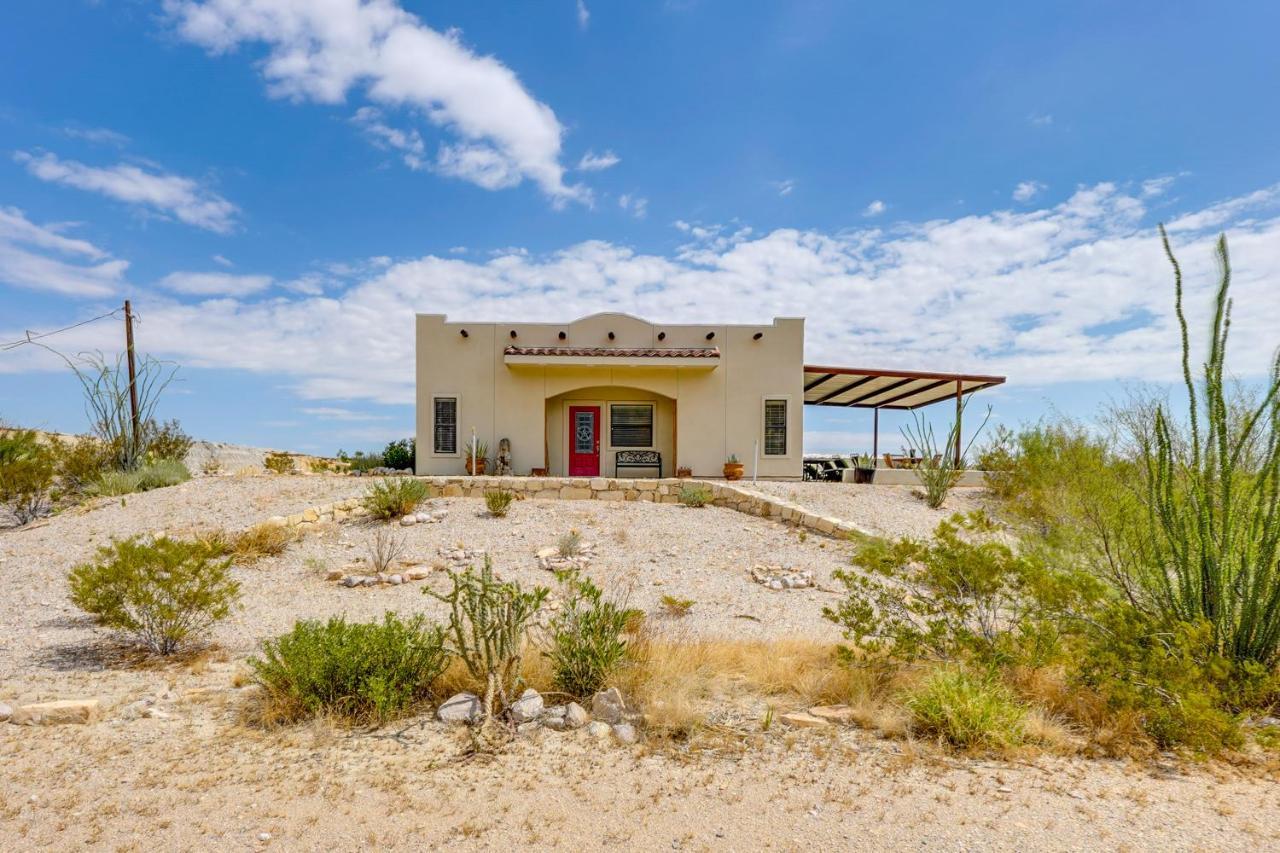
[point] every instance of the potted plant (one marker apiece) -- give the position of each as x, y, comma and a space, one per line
684, 472
479, 464
864, 469
732, 468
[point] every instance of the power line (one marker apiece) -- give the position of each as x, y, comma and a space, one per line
30, 338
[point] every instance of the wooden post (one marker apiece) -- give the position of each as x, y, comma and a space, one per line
133, 377
875, 437
959, 412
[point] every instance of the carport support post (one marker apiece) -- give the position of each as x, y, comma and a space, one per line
875, 437
959, 412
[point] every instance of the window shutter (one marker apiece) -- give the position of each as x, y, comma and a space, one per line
775, 427
630, 425
446, 424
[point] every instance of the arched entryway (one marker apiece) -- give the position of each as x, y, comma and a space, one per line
587, 428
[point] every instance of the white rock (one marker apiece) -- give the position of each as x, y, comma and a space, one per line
575, 716
264, 836
395, 580
608, 705
625, 733
556, 724
599, 730
408, 521
350, 581
460, 708
528, 707
56, 713
546, 553
5, 712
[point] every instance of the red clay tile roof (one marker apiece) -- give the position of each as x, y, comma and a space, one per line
617, 352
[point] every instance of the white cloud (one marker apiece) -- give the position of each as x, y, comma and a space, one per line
408, 142
635, 205
321, 51
1027, 190
592, 162
215, 283
97, 135
332, 413
584, 15
222, 261
1077, 291
41, 257
164, 194
1040, 119
784, 188
1157, 186
876, 208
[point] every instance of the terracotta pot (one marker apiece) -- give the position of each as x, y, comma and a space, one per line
733, 470
481, 465
684, 473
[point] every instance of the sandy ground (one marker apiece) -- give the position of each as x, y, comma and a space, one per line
200, 779
884, 510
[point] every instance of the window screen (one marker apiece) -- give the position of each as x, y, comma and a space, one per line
446, 424
630, 425
775, 427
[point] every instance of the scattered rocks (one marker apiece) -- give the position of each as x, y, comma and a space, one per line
527, 708
351, 575
461, 558
60, 712
460, 708
550, 558
782, 577
427, 516
143, 709
802, 720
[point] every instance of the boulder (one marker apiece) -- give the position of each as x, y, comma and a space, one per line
575, 716
608, 706
62, 711
527, 708
460, 708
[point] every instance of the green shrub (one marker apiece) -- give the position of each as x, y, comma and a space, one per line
154, 475
488, 620
367, 672
400, 454
278, 463
361, 461
696, 496
966, 710
165, 441
163, 592
395, 496
498, 502
81, 462
677, 607
116, 483
26, 473
587, 643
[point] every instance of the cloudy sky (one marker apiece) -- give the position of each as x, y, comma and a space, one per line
278, 185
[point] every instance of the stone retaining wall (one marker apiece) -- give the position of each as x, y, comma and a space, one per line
736, 497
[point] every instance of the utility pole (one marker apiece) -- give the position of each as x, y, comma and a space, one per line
133, 378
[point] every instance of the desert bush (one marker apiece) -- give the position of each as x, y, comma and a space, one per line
163, 592
26, 473
587, 643
675, 606
393, 497
962, 593
211, 467
939, 469
498, 502
400, 454
278, 463
569, 544
116, 483
384, 549
366, 672
81, 462
361, 461
262, 540
695, 496
966, 710
153, 475
488, 621
165, 441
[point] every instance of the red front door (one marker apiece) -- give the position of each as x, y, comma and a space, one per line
584, 441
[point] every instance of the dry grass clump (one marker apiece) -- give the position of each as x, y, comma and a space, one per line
250, 545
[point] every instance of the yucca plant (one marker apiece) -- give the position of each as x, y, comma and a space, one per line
939, 469
1213, 498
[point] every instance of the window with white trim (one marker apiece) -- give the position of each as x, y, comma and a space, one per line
775, 427
631, 424
445, 424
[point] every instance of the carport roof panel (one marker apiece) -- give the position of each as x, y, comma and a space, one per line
867, 388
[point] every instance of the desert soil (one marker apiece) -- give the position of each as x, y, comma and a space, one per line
200, 778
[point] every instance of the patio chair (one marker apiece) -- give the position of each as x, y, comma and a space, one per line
888, 461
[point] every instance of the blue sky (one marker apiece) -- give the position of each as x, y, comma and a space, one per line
278, 185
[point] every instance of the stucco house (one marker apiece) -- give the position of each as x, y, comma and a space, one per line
585, 397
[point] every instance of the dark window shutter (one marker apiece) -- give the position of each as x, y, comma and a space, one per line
446, 424
631, 425
775, 427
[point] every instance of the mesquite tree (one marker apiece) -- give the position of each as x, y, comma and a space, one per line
1213, 498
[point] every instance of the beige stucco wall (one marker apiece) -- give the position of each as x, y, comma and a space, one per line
702, 414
